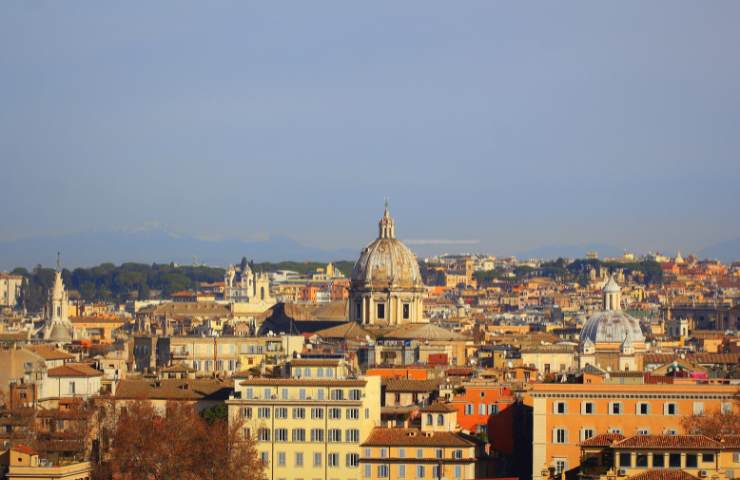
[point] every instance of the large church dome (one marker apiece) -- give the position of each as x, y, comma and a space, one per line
386, 262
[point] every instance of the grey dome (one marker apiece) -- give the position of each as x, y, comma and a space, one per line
60, 333
612, 326
386, 262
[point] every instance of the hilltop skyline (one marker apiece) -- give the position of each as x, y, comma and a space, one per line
495, 128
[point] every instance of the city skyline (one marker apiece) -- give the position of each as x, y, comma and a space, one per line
494, 128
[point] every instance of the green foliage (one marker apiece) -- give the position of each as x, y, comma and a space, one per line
135, 280
215, 413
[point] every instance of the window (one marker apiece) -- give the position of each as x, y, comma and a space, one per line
406, 311
587, 408
284, 393
674, 460
439, 453
420, 471
492, 409
643, 431
643, 408
458, 471
440, 420
332, 459
641, 460
698, 408
317, 413
402, 471
302, 393
482, 409
691, 460
658, 460
615, 430
726, 407
299, 413
352, 460
419, 453
352, 435
263, 434
381, 311
335, 413
671, 409
358, 314
263, 412
457, 454
299, 435
625, 459
337, 394
670, 431
615, 408
299, 459
559, 435
368, 470
707, 457
281, 412
317, 435
401, 453
383, 471
307, 372
316, 459
355, 394
587, 433
353, 413
335, 435
247, 412
436, 471
469, 409
560, 408
265, 457
383, 453
430, 419
281, 434
249, 393
320, 372
330, 372
561, 465
267, 394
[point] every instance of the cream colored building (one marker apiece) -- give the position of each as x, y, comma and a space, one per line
10, 289
386, 286
307, 428
550, 358
243, 285
229, 355
58, 328
24, 463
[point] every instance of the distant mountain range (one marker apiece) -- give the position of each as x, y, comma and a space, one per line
727, 251
149, 246
156, 245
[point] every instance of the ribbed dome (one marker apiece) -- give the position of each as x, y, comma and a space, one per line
387, 261
60, 332
612, 326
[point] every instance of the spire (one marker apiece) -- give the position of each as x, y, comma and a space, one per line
612, 295
386, 226
59, 261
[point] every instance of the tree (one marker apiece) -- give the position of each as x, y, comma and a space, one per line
713, 424
179, 444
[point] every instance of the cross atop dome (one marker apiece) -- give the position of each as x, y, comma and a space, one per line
386, 226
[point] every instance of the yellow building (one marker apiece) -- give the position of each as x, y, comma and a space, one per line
24, 463
307, 428
433, 451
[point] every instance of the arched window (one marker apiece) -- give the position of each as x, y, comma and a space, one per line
440, 420
262, 293
430, 420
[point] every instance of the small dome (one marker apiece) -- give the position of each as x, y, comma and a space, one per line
612, 286
60, 332
612, 326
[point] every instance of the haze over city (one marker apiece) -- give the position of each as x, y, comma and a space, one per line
498, 127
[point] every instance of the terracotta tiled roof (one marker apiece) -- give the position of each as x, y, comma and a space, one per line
730, 441
603, 440
438, 407
48, 352
410, 386
668, 441
172, 389
413, 437
314, 362
24, 449
663, 475
74, 370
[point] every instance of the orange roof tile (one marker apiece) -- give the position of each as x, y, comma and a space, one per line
663, 475
74, 370
413, 437
603, 440
668, 441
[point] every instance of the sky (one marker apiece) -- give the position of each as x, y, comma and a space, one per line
494, 126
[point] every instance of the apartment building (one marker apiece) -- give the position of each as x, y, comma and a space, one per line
307, 428
564, 415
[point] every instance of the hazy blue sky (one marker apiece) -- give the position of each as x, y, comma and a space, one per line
516, 124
